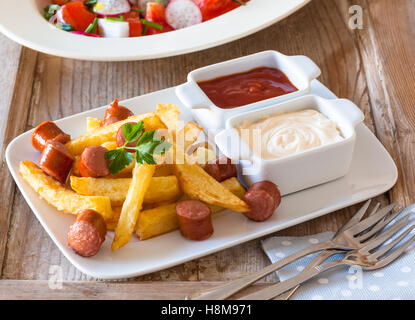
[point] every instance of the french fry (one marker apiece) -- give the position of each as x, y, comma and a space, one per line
163, 170
188, 135
198, 184
163, 219
75, 168
169, 114
112, 223
93, 123
161, 189
110, 145
202, 155
60, 197
131, 208
108, 133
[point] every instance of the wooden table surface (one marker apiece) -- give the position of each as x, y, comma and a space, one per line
374, 67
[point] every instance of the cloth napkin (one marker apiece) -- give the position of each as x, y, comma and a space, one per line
393, 282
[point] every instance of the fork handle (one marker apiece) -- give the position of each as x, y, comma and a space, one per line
224, 291
323, 256
281, 287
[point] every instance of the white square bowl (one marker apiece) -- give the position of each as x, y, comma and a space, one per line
300, 70
311, 167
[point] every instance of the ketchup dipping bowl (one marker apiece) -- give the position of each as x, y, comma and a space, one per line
299, 71
302, 169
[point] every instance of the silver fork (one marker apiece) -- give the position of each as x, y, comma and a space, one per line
350, 239
324, 255
369, 257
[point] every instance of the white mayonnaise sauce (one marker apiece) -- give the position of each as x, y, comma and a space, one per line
289, 133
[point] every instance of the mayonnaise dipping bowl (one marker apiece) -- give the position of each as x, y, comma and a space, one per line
296, 71
299, 153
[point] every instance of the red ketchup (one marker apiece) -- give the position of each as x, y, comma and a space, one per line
240, 89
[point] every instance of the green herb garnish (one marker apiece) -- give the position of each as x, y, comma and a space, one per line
92, 27
65, 27
152, 24
239, 2
50, 10
138, 10
148, 145
90, 3
120, 18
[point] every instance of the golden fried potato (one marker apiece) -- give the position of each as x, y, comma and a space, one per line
75, 169
161, 188
93, 123
234, 186
169, 114
198, 184
131, 208
108, 133
188, 135
112, 223
202, 155
110, 145
60, 197
163, 219
163, 170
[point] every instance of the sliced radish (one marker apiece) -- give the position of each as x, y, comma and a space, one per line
183, 13
142, 4
113, 29
112, 7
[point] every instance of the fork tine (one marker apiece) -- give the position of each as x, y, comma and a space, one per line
371, 220
379, 226
384, 236
356, 218
393, 256
389, 246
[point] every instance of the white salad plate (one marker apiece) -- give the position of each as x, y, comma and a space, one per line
372, 172
23, 22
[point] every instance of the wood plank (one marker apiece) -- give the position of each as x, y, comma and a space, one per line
387, 47
17, 72
78, 290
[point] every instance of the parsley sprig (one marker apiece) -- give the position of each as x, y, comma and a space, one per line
147, 146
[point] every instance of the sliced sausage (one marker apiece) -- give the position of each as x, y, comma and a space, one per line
92, 162
221, 169
48, 130
121, 139
115, 113
56, 160
194, 219
87, 233
263, 198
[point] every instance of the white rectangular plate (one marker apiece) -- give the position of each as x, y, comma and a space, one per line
372, 173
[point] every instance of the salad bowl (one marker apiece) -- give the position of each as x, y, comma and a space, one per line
44, 37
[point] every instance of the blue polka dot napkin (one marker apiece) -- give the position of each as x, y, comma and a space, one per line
396, 281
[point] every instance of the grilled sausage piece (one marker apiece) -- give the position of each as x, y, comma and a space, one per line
194, 219
121, 139
221, 169
263, 198
115, 113
87, 233
92, 162
56, 160
48, 130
